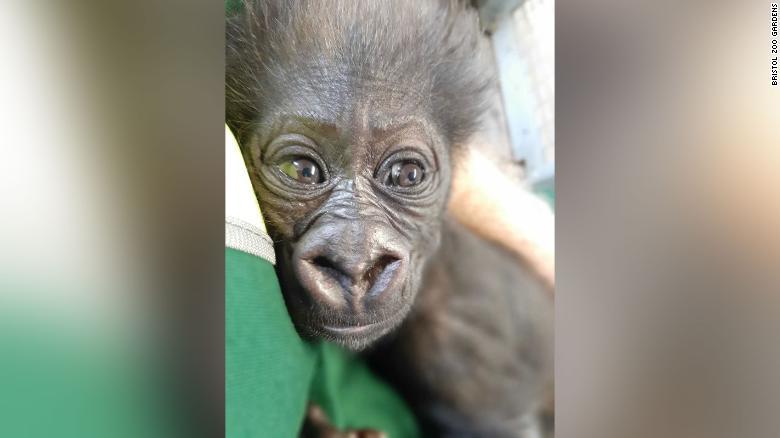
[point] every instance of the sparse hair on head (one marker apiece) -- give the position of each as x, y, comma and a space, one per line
426, 50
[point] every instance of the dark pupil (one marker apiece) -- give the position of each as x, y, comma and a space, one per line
307, 171
407, 174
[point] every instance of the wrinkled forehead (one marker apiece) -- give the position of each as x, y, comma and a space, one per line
352, 109
344, 96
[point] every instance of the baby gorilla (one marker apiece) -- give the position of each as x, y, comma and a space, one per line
350, 115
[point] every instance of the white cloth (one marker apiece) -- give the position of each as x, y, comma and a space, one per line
244, 226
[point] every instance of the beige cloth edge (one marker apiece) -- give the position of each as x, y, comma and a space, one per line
244, 226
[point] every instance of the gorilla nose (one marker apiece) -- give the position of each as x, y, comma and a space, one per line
369, 277
352, 267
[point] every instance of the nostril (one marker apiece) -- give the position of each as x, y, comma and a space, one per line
324, 262
329, 268
353, 278
380, 265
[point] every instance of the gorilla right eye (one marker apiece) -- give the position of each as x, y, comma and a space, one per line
405, 174
303, 170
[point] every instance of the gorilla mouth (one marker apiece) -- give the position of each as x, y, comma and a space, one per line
358, 335
356, 330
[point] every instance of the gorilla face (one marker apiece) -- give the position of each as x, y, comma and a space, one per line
354, 206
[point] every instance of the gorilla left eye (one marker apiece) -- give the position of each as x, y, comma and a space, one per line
405, 174
303, 170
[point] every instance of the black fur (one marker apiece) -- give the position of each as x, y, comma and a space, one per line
430, 48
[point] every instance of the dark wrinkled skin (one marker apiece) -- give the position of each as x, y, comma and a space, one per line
460, 328
332, 237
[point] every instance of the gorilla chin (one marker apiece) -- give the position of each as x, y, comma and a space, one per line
351, 290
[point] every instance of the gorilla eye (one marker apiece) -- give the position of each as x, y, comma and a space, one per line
303, 170
405, 174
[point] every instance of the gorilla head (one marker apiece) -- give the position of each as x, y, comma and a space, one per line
348, 114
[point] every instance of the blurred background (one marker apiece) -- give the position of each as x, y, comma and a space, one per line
112, 236
519, 128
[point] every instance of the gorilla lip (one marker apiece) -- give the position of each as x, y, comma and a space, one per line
361, 330
352, 330
368, 331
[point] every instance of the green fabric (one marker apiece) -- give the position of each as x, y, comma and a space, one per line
271, 373
355, 398
267, 371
